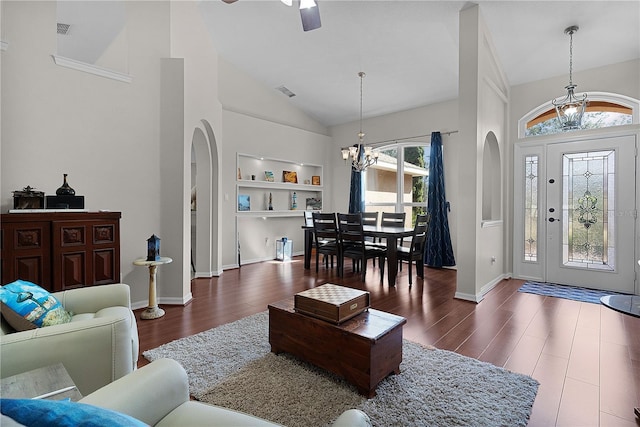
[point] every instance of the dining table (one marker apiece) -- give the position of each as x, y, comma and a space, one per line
391, 235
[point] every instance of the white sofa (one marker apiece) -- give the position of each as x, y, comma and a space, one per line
158, 394
99, 346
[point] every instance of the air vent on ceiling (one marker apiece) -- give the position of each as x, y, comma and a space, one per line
63, 28
286, 91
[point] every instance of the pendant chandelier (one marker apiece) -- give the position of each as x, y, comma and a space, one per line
570, 109
361, 156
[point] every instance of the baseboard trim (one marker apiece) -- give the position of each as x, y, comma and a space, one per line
468, 297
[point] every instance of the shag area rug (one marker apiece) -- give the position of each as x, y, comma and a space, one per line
232, 366
565, 291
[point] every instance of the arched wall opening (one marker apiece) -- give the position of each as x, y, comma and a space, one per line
204, 207
491, 179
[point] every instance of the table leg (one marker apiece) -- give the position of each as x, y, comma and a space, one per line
392, 260
152, 311
308, 243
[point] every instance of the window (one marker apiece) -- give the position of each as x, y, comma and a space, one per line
599, 114
399, 182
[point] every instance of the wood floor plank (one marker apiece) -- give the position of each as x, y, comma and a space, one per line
550, 371
525, 355
579, 405
559, 342
584, 361
616, 379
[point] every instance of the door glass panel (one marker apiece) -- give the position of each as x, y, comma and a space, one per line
531, 208
587, 210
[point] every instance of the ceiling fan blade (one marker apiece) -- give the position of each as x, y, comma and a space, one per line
310, 18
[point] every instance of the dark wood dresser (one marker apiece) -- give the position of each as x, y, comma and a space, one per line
61, 250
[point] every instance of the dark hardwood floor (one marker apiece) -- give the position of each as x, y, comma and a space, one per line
585, 356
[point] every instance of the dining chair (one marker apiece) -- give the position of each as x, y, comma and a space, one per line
392, 219
415, 252
370, 218
353, 245
325, 232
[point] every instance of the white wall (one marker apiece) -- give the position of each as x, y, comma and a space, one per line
483, 95
196, 109
126, 147
249, 135
104, 133
260, 121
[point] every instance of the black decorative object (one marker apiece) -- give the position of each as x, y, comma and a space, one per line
64, 202
65, 189
153, 248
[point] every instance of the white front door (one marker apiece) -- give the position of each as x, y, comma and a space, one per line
579, 220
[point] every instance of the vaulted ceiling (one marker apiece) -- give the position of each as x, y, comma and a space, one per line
409, 49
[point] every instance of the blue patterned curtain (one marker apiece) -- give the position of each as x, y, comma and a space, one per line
356, 195
439, 251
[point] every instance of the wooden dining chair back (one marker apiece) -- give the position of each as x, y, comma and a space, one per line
393, 219
370, 218
326, 237
353, 245
415, 252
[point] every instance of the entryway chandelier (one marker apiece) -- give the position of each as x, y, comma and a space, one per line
570, 109
361, 156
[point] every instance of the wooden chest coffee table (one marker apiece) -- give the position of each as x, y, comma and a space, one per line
362, 350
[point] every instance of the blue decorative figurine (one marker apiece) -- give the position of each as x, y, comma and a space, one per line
153, 248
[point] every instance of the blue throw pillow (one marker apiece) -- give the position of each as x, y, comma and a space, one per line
26, 305
63, 413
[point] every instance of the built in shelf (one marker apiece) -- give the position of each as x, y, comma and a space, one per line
279, 185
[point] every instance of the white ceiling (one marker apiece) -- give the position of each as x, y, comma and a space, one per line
409, 49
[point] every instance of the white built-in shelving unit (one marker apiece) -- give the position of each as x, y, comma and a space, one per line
258, 190
258, 228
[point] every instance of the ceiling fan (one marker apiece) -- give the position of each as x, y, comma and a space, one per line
309, 13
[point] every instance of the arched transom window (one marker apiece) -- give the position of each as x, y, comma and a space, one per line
603, 110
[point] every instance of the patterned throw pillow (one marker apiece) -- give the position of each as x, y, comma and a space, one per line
26, 305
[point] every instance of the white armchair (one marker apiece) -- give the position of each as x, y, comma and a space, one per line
158, 394
99, 346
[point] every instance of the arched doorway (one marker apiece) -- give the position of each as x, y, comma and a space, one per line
204, 167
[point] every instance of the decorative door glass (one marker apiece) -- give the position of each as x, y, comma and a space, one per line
588, 210
530, 252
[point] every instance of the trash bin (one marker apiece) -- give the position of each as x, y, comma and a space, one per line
284, 248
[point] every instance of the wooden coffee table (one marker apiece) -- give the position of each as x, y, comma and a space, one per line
362, 350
